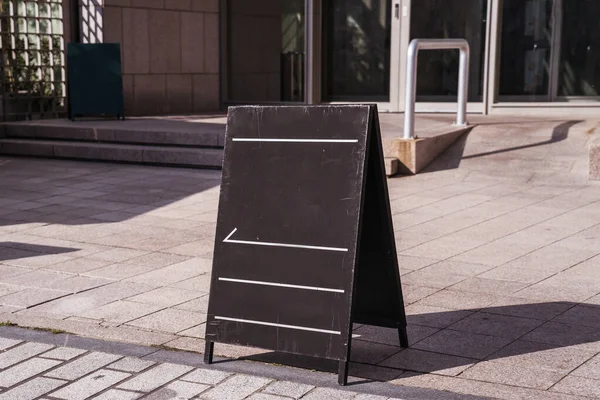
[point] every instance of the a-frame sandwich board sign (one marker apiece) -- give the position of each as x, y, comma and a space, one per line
304, 244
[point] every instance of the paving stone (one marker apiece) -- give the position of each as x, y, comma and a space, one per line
21, 353
120, 271
462, 344
64, 353
32, 389
264, 396
522, 353
115, 394
513, 375
374, 373
197, 305
237, 387
528, 308
31, 297
155, 377
488, 286
120, 312
78, 284
288, 389
432, 316
25, 370
173, 273
199, 284
131, 364
329, 394
38, 279
90, 385
433, 279
178, 390
413, 293
206, 376
496, 325
581, 315
83, 366
7, 343
370, 352
196, 331
117, 255
590, 369
157, 260
390, 336
459, 300
165, 296
7, 271
554, 333
579, 386
170, 320
80, 302
425, 361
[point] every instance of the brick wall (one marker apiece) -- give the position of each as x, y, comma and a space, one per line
170, 54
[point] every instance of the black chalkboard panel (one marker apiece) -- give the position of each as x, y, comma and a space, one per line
95, 82
304, 244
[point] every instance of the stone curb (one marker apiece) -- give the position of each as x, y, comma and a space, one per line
315, 378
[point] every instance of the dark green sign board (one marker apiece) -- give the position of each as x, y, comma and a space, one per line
95, 80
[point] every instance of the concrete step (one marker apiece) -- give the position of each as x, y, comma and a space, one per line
161, 155
143, 131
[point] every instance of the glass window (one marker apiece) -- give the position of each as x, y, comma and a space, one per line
526, 45
550, 49
580, 49
356, 50
437, 75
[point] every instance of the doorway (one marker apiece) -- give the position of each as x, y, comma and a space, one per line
360, 52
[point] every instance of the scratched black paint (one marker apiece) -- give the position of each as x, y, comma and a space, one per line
331, 195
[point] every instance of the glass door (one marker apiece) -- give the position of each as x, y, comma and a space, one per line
549, 50
360, 52
437, 75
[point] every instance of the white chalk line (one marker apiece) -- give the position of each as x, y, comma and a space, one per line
276, 140
274, 244
296, 327
283, 285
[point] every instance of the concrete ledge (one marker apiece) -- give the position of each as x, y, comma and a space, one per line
416, 154
193, 157
594, 161
174, 134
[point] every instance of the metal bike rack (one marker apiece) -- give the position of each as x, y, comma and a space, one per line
411, 78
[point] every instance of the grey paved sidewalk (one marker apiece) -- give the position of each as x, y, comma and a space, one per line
498, 242
66, 367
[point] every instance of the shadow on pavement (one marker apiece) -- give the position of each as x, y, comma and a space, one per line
80, 193
458, 339
14, 250
453, 156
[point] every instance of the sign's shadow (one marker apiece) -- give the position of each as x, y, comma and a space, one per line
442, 341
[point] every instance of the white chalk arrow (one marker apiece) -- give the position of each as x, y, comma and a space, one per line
273, 244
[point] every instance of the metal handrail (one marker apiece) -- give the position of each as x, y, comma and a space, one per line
411, 78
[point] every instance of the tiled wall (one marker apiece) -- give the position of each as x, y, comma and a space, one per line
170, 54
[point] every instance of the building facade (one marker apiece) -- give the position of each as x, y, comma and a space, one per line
191, 56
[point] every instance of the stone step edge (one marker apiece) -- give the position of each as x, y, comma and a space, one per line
138, 154
111, 135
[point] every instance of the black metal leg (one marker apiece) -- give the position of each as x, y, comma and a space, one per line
343, 373
403, 337
208, 352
